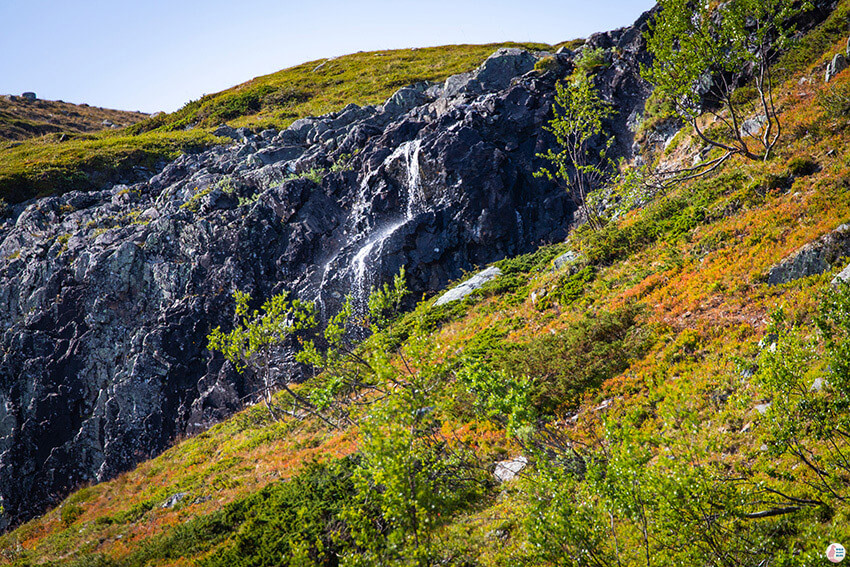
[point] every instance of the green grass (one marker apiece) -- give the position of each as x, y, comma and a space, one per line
44, 165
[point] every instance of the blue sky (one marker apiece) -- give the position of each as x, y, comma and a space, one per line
158, 55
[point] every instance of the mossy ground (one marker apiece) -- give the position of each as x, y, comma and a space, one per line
21, 118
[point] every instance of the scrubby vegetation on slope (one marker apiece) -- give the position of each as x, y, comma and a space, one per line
53, 163
674, 407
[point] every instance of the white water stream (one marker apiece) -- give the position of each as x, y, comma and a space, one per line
374, 242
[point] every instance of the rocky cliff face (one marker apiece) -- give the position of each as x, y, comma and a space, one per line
106, 298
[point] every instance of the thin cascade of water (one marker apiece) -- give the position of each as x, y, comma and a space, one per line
414, 189
360, 261
374, 243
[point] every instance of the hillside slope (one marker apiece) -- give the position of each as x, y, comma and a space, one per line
21, 118
54, 164
658, 357
107, 296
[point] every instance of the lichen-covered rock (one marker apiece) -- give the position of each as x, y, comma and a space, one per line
814, 258
474, 283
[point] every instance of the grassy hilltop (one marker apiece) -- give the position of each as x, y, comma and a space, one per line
651, 362
21, 119
60, 162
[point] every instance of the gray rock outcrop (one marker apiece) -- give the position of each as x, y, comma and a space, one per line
474, 283
814, 258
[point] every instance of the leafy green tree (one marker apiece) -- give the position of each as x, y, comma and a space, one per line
578, 122
701, 48
343, 372
809, 414
634, 498
260, 335
410, 471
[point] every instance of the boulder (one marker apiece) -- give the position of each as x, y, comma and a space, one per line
507, 470
174, 499
475, 282
458, 83
28, 96
752, 126
843, 276
814, 258
567, 259
501, 67
226, 131
838, 64
404, 100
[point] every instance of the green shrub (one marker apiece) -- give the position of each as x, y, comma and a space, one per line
835, 101
314, 174
70, 513
655, 111
547, 64
288, 523
532, 262
592, 60
569, 288
565, 366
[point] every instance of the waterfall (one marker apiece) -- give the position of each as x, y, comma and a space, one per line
410, 150
408, 154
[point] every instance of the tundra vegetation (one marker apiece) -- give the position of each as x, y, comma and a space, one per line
671, 406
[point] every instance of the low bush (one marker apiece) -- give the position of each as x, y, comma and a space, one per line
564, 366
834, 101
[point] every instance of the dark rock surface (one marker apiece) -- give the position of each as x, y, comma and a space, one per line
106, 298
